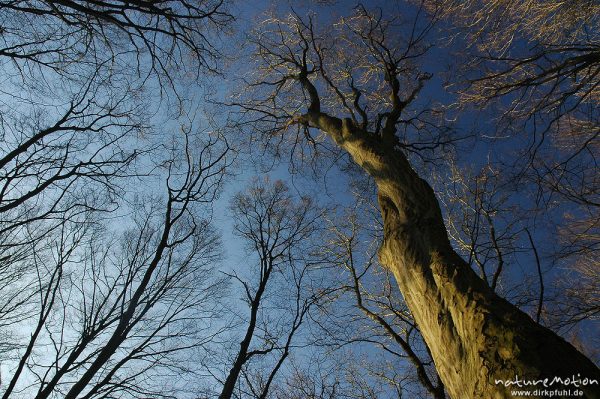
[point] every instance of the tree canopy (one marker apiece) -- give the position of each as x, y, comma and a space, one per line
209, 199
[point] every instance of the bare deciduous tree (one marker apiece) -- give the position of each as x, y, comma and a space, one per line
538, 63
475, 337
480, 220
278, 231
557, 68
90, 310
386, 324
70, 37
106, 314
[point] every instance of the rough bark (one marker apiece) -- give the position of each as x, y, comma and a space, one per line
475, 337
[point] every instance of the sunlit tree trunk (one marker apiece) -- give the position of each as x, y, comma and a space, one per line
477, 339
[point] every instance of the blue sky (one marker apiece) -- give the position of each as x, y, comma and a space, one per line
482, 142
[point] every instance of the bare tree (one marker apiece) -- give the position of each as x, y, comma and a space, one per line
539, 64
481, 221
278, 231
314, 384
73, 120
90, 310
476, 338
391, 327
580, 240
69, 37
556, 71
106, 314
72, 107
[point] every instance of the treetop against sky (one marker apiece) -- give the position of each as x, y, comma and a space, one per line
312, 200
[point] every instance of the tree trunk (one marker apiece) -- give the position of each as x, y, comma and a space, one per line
479, 341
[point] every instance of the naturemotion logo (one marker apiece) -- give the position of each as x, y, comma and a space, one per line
573, 381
